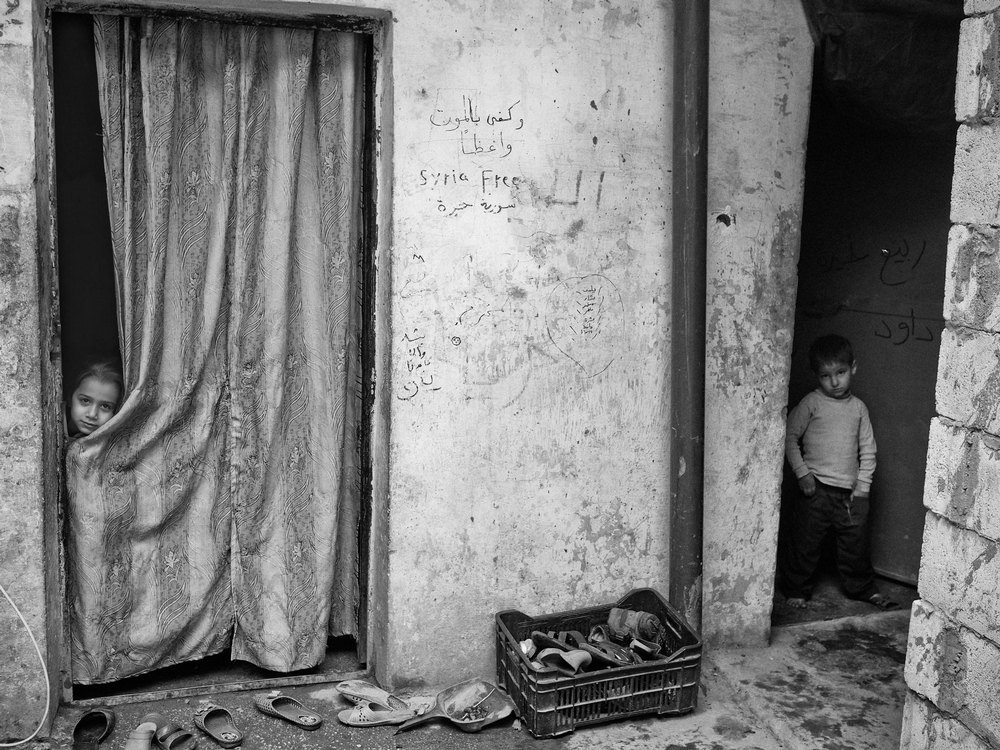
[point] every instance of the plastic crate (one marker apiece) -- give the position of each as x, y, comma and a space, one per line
550, 703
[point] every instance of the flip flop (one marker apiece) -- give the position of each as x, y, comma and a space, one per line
218, 723
359, 691
93, 727
168, 735
364, 715
285, 707
141, 737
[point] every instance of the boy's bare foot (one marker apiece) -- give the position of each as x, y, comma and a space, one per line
796, 602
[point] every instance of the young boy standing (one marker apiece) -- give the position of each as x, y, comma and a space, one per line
830, 446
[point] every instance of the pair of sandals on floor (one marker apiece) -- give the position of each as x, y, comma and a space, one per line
156, 730
373, 706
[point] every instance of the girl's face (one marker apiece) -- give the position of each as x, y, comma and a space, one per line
93, 403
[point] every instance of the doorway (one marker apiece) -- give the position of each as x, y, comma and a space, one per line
875, 224
89, 327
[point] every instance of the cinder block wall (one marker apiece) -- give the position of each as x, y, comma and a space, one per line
953, 657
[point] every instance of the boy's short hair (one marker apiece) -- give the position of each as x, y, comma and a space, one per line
830, 348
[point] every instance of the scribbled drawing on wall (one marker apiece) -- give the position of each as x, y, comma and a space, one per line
585, 320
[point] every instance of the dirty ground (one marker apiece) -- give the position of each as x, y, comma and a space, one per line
838, 681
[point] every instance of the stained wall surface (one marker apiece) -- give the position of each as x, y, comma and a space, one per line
954, 645
760, 67
530, 264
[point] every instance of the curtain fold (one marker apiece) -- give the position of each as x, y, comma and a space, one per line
220, 506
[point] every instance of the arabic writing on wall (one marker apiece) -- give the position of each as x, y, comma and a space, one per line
419, 375
585, 321
475, 177
894, 266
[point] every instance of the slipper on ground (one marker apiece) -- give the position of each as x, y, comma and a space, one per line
93, 728
285, 707
359, 691
168, 735
141, 738
218, 723
365, 714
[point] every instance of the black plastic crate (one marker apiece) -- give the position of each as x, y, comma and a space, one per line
551, 703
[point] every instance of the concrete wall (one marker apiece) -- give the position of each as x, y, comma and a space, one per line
525, 204
953, 658
29, 426
529, 319
761, 64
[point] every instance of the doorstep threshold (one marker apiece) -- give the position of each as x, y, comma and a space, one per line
214, 688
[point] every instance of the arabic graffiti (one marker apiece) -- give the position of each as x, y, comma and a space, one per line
905, 329
467, 123
897, 266
585, 321
419, 367
909, 328
481, 140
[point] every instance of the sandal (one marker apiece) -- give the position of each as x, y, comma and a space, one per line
218, 723
359, 691
140, 738
93, 727
365, 715
170, 736
285, 707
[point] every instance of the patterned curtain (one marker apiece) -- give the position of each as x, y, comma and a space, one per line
220, 506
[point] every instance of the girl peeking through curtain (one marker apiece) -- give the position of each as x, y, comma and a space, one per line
95, 398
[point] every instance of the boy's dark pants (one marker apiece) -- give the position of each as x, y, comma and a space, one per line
830, 508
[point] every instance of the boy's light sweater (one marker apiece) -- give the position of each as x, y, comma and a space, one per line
833, 439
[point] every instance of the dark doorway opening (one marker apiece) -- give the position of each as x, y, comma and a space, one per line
880, 156
88, 327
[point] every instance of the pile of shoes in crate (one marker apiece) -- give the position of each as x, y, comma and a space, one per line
627, 637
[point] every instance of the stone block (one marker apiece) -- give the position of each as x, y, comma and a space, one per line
977, 68
975, 190
926, 728
973, 7
956, 670
960, 574
972, 277
968, 384
962, 479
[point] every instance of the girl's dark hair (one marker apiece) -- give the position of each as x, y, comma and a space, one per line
831, 348
104, 370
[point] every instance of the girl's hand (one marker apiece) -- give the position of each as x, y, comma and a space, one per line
808, 485
859, 495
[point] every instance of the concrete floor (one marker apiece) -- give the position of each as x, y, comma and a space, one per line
818, 685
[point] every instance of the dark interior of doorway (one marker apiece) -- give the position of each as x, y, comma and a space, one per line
875, 221
89, 324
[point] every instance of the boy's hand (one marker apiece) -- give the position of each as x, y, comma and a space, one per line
859, 495
808, 485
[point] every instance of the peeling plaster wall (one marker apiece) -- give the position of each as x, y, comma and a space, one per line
761, 65
953, 658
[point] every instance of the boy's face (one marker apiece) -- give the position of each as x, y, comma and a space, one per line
835, 378
93, 404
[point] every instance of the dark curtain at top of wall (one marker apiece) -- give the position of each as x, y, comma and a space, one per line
879, 61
